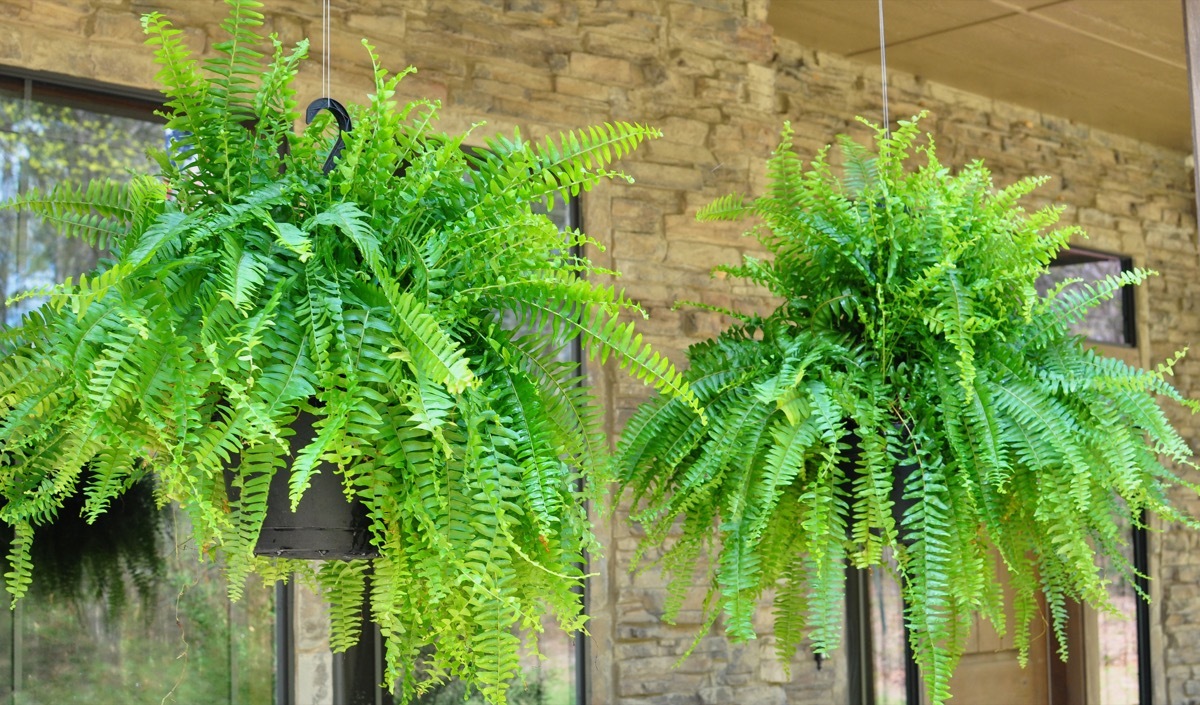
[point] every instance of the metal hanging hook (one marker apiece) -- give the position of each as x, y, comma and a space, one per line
343, 122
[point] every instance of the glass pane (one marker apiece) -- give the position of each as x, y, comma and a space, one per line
1106, 322
179, 641
41, 145
6, 648
102, 625
1118, 636
13, 153
559, 212
549, 680
887, 638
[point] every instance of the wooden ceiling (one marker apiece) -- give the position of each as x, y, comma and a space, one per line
1119, 65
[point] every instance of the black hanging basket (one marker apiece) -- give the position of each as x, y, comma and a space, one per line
325, 525
900, 474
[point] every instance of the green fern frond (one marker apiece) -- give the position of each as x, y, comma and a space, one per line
20, 573
426, 346
730, 207
1070, 306
579, 158
97, 213
343, 584
570, 405
603, 335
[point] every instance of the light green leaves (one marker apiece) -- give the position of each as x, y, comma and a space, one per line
292, 238
425, 346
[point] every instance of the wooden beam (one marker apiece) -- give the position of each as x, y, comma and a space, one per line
1191, 22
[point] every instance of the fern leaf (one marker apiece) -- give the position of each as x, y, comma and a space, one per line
98, 213
730, 207
20, 574
343, 584
426, 346
603, 335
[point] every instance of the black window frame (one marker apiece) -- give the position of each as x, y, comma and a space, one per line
1084, 255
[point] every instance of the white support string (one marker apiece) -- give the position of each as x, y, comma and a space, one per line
887, 123
326, 91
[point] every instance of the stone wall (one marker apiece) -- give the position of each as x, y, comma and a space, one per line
713, 77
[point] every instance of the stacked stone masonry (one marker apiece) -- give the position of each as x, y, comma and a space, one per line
712, 75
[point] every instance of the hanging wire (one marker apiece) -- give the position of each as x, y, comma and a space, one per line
325, 102
887, 123
325, 22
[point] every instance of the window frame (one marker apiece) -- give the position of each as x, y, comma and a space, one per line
1073, 255
111, 98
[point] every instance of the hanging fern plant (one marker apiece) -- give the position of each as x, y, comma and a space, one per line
910, 359
246, 286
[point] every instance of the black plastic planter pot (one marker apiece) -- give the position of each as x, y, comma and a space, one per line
325, 525
900, 475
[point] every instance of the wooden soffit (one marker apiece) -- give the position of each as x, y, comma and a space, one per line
1119, 65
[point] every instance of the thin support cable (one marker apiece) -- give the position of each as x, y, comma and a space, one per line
887, 123
325, 46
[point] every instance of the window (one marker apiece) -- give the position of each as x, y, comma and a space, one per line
176, 637
881, 666
1117, 647
183, 641
1112, 322
1113, 667
1110, 653
46, 133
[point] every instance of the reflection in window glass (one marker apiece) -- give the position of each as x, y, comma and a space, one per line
550, 679
175, 637
887, 637
42, 144
182, 642
547, 681
1118, 636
